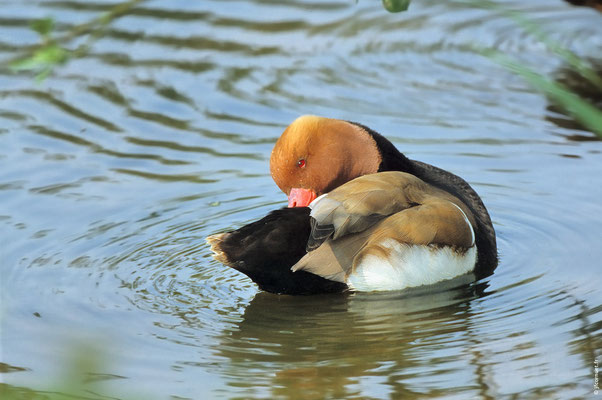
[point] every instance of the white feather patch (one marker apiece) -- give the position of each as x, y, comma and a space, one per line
410, 266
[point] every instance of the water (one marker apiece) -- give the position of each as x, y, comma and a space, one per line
117, 166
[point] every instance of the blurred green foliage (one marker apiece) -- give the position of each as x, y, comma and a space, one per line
581, 110
396, 5
52, 50
81, 374
577, 107
47, 56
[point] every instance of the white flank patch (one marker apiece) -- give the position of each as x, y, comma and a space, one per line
410, 266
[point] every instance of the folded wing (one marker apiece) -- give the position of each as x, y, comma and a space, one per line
373, 214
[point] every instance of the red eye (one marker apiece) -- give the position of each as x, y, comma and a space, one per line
301, 163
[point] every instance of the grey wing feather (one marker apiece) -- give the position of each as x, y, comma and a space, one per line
319, 234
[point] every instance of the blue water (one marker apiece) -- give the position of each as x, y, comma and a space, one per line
118, 165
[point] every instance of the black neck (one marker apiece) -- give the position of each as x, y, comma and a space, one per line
392, 159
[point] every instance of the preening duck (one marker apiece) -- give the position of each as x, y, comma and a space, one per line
361, 216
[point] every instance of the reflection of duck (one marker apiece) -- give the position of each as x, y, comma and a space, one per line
379, 221
321, 347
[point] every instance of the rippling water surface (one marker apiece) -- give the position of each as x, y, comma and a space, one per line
118, 165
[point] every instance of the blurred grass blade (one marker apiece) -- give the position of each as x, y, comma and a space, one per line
581, 110
582, 66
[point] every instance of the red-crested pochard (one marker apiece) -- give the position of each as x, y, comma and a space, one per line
361, 217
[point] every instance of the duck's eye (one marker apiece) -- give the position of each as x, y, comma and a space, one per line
301, 163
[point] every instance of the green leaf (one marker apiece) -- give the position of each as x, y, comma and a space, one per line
23, 64
43, 26
43, 61
396, 5
51, 54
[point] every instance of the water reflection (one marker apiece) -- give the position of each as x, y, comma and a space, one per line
327, 346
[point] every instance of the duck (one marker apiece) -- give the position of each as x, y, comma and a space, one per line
361, 217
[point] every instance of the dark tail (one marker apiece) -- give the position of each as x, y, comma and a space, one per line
266, 250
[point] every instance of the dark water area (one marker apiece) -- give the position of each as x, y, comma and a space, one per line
117, 166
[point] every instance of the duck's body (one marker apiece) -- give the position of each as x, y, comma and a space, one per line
380, 220
389, 231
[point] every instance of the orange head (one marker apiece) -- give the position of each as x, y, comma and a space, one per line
314, 155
